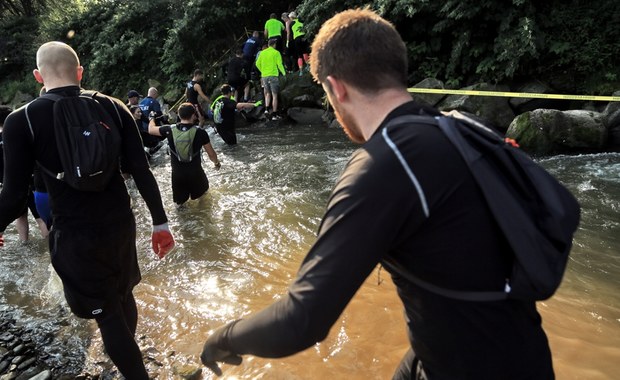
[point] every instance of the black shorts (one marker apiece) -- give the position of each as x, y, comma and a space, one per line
97, 264
301, 47
188, 182
238, 84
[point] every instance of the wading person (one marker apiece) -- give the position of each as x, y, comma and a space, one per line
186, 142
224, 109
195, 95
430, 221
93, 241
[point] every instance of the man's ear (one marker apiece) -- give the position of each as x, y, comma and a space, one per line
80, 72
37, 76
337, 87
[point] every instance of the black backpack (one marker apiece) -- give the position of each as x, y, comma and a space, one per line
536, 213
88, 140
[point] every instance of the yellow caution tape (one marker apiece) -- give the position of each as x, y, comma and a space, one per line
514, 94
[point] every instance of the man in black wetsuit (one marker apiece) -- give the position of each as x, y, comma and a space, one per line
188, 177
93, 240
406, 198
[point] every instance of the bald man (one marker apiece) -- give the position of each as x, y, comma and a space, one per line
93, 241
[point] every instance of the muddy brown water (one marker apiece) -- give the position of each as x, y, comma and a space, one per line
240, 246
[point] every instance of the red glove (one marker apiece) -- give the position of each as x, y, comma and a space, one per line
162, 240
1, 240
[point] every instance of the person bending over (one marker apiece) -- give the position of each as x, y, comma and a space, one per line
406, 199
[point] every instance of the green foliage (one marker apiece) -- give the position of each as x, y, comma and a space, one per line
126, 45
465, 41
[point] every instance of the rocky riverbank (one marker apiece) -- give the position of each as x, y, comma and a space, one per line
25, 355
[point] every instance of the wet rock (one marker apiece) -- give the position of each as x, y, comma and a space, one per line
430, 100
26, 363
493, 110
43, 375
306, 116
188, 371
9, 376
547, 132
4, 365
30, 372
19, 349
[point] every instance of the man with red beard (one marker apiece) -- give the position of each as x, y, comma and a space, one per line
406, 200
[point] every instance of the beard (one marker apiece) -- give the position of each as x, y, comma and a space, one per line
351, 129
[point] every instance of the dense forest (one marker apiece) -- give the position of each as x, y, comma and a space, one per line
572, 45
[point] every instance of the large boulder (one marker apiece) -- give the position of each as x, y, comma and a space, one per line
429, 99
611, 116
545, 132
492, 109
299, 91
521, 105
307, 116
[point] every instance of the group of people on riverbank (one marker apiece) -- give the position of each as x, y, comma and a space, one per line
406, 197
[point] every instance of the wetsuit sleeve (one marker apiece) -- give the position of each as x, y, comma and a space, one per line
134, 162
358, 229
18, 168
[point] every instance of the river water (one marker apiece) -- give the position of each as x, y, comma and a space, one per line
240, 246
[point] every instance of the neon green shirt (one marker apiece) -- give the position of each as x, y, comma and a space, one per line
269, 63
298, 29
274, 28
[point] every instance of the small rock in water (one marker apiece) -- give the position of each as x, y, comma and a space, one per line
188, 371
45, 375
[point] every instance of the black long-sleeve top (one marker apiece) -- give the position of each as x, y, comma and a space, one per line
70, 206
434, 223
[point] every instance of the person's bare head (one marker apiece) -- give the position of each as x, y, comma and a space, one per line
378, 63
153, 93
57, 65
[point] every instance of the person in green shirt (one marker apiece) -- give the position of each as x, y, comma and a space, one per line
273, 30
300, 45
269, 63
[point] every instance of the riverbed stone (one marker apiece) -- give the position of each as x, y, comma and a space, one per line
299, 91
492, 109
547, 132
43, 375
521, 105
430, 100
188, 371
26, 363
306, 116
4, 365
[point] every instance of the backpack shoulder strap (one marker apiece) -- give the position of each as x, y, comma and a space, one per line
97, 96
50, 97
461, 295
439, 121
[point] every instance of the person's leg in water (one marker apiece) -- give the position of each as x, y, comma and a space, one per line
32, 205
21, 225
118, 326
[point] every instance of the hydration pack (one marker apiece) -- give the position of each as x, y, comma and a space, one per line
184, 143
218, 107
88, 140
537, 215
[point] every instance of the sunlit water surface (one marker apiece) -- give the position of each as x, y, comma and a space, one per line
240, 246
